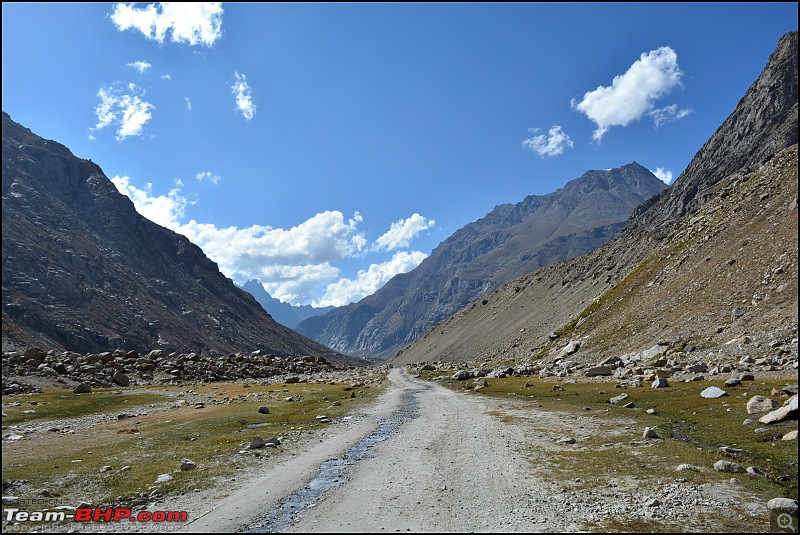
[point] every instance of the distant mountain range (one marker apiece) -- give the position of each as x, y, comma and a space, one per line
83, 271
507, 242
710, 260
283, 313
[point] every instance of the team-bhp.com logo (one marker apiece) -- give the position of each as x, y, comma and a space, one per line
94, 514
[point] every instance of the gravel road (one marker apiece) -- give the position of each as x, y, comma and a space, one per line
431, 460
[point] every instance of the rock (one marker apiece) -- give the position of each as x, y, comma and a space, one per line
690, 467
660, 383
569, 349
121, 379
790, 390
461, 375
651, 411
753, 471
738, 312
748, 421
256, 443
653, 503
566, 440
713, 392
163, 478
106, 468
649, 432
791, 435
788, 410
733, 381
188, 464
82, 388
747, 377
595, 371
727, 466
616, 400
557, 388
761, 404
263, 410
782, 505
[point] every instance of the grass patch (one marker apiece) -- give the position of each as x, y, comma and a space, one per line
68, 463
61, 404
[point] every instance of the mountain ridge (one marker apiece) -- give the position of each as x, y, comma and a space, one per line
83, 271
617, 298
509, 240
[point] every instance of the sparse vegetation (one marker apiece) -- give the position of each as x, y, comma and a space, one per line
67, 461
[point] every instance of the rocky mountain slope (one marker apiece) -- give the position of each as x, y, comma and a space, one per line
83, 271
507, 242
711, 259
283, 313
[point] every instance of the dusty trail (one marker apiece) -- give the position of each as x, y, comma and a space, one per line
451, 466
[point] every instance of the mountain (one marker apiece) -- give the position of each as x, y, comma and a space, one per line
83, 271
507, 242
711, 259
283, 313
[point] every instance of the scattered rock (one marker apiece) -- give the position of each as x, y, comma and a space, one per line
713, 392
263, 410
461, 375
163, 478
728, 466
690, 467
791, 435
256, 443
782, 505
761, 404
660, 382
82, 388
566, 440
788, 410
616, 400
188, 464
595, 371
653, 503
649, 432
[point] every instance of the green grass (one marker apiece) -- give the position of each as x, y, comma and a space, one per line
63, 404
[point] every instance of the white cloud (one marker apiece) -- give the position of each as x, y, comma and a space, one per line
292, 264
402, 232
141, 66
668, 114
188, 103
665, 175
552, 144
187, 22
345, 291
244, 101
208, 175
128, 111
166, 77
632, 94
164, 210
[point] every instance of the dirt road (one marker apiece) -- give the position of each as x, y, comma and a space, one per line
423, 459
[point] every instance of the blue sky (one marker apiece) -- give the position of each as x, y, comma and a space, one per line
324, 147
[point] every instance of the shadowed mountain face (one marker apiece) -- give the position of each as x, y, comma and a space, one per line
507, 242
712, 258
83, 271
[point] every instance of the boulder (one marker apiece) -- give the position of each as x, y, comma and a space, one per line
761, 404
